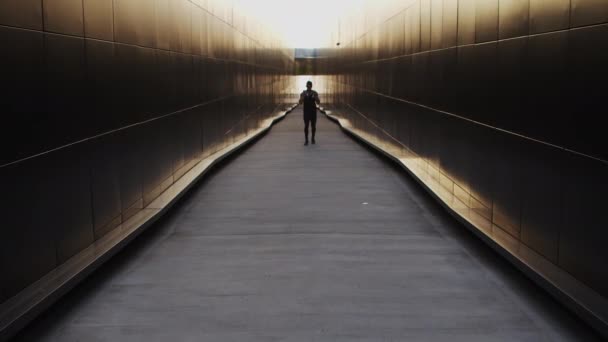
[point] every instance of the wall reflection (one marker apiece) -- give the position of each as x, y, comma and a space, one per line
107, 103
494, 104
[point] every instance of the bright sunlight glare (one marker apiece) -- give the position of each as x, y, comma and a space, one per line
303, 23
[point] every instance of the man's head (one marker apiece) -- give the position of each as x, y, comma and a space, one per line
308, 85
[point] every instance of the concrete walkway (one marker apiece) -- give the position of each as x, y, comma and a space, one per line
307, 243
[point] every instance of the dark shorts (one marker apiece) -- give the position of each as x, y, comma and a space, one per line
310, 117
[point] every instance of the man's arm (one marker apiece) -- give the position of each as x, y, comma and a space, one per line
301, 98
317, 98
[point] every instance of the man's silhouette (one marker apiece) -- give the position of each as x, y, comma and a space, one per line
310, 99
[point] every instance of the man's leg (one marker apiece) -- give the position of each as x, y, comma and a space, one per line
314, 127
306, 122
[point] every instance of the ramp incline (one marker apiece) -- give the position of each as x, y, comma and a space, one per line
300, 243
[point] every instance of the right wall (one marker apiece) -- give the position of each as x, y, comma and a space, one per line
496, 105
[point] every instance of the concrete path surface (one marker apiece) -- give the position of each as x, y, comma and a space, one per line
327, 242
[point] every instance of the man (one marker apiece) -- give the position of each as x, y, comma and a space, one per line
310, 99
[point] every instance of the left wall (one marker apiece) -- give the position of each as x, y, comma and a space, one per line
106, 103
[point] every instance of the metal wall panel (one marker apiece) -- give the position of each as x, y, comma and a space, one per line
23, 13
513, 18
130, 68
396, 33
416, 27
450, 23
101, 86
196, 18
456, 152
425, 25
480, 181
582, 248
436, 74
484, 79
27, 250
192, 139
23, 97
507, 183
588, 70
135, 22
130, 160
547, 88
588, 12
181, 31
512, 84
64, 16
542, 208
408, 47
64, 201
466, 22
65, 91
486, 20
549, 15
508, 122
157, 159
465, 72
99, 21
105, 183
164, 25
447, 98
436, 24
383, 49
98, 126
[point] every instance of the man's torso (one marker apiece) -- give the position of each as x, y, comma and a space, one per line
310, 104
